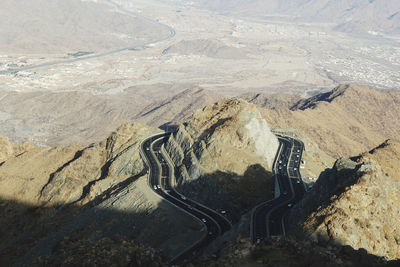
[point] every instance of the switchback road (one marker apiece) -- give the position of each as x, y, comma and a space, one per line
160, 179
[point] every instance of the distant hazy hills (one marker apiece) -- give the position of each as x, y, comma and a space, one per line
54, 26
348, 15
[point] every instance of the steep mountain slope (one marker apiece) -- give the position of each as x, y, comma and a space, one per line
378, 16
280, 251
346, 121
82, 200
224, 153
355, 203
83, 194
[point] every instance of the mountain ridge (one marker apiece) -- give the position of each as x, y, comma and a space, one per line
355, 203
206, 149
177, 108
223, 154
346, 121
355, 16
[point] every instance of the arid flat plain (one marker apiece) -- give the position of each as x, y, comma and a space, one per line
227, 54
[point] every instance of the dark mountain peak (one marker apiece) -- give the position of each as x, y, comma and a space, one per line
344, 90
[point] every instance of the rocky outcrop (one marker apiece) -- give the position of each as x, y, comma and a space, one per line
285, 251
355, 203
222, 146
97, 168
63, 175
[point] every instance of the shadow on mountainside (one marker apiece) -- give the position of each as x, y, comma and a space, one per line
123, 220
34, 233
285, 251
332, 181
236, 194
108, 230
318, 220
118, 212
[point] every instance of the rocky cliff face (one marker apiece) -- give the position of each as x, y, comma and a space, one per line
356, 203
225, 150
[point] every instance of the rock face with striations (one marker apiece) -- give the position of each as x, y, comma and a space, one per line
356, 203
223, 154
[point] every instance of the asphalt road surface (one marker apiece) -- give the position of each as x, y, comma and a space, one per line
268, 218
160, 179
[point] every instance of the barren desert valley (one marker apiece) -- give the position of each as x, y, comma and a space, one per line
200, 133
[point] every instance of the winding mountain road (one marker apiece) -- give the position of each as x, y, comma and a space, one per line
268, 218
170, 35
161, 180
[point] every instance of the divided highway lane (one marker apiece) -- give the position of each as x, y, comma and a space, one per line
168, 171
275, 219
160, 180
295, 159
294, 169
258, 227
294, 174
268, 218
291, 174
